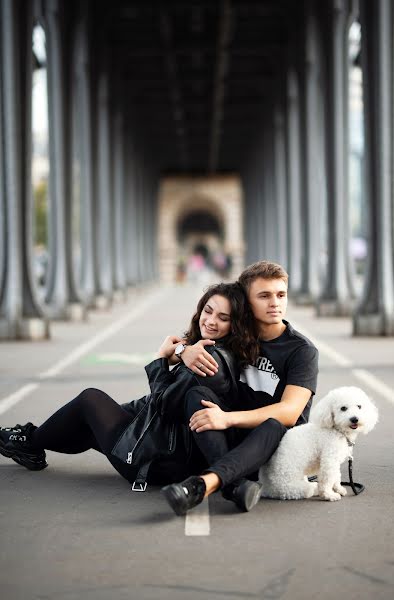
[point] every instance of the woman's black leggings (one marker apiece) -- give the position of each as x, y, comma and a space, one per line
92, 420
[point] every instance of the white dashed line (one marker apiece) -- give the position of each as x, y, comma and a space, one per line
325, 349
375, 384
197, 520
16, 397
9, 401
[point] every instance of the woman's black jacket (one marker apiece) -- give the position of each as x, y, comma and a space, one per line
158, 426
170, 387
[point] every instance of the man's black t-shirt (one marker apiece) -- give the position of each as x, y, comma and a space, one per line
290, 359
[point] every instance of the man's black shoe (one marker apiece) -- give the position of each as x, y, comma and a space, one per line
185, 495
244, 493
15, 443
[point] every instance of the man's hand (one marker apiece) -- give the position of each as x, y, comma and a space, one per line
167, 348
211, 417
199, 360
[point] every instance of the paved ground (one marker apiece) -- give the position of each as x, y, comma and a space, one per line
74, 531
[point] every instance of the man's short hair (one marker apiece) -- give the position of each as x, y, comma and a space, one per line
263, 269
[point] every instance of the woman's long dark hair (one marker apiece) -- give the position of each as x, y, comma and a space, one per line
242, 339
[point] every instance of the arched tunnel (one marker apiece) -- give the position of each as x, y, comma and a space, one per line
137, 136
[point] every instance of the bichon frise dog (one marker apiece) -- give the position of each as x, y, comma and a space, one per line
319, 448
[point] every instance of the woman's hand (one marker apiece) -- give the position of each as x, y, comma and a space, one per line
167, 348
211, 417
199, 360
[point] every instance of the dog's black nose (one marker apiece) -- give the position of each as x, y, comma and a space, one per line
353, 419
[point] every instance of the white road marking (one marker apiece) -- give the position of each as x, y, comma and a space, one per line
81, 350
197, 520
98, 338
375, 384
325, 349
123, 358
16, 397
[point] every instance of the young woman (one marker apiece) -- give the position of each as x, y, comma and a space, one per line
93, 420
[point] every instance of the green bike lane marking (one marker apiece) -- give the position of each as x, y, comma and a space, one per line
119, 358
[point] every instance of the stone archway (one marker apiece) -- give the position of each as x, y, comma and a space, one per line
210, 209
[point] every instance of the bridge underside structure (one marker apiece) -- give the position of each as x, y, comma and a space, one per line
141, 91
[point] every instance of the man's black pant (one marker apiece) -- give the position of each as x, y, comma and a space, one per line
233, 453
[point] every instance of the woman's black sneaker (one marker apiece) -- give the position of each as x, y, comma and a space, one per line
185, 495
15, 443
244, 493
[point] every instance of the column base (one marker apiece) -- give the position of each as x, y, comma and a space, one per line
333, 308
303, 300
74, 311
102, 302
77, 312
373, 325
25, 329
119, 296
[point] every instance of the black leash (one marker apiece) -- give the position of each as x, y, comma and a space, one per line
356, 487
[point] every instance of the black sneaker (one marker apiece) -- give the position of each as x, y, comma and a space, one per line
185, 495
15, 443
244, 493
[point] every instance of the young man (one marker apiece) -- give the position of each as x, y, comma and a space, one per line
275, 393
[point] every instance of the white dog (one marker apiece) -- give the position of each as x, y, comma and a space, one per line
319, 448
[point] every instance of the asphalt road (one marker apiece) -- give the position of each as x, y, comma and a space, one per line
75, 530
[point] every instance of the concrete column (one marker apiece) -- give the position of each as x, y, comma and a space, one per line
2, 197
153, 179
84, 104
129, 229
118, 204
249, 210
140, 219
311, 157
270, 206
152, 223
336, 296
261, 224
144, 215
58, 290
255, 234
113, 206
99, 300
293, 146
149, 232
257, 214
20, 315
131, 218
280, 187
104, 241
375, 313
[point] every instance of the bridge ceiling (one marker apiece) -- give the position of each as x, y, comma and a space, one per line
197, 76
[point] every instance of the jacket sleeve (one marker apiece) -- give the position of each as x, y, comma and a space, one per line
171, 386
172, 399
159, 375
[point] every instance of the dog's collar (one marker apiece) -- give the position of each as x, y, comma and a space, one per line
349, 442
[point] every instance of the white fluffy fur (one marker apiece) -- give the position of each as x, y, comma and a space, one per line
319, 448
